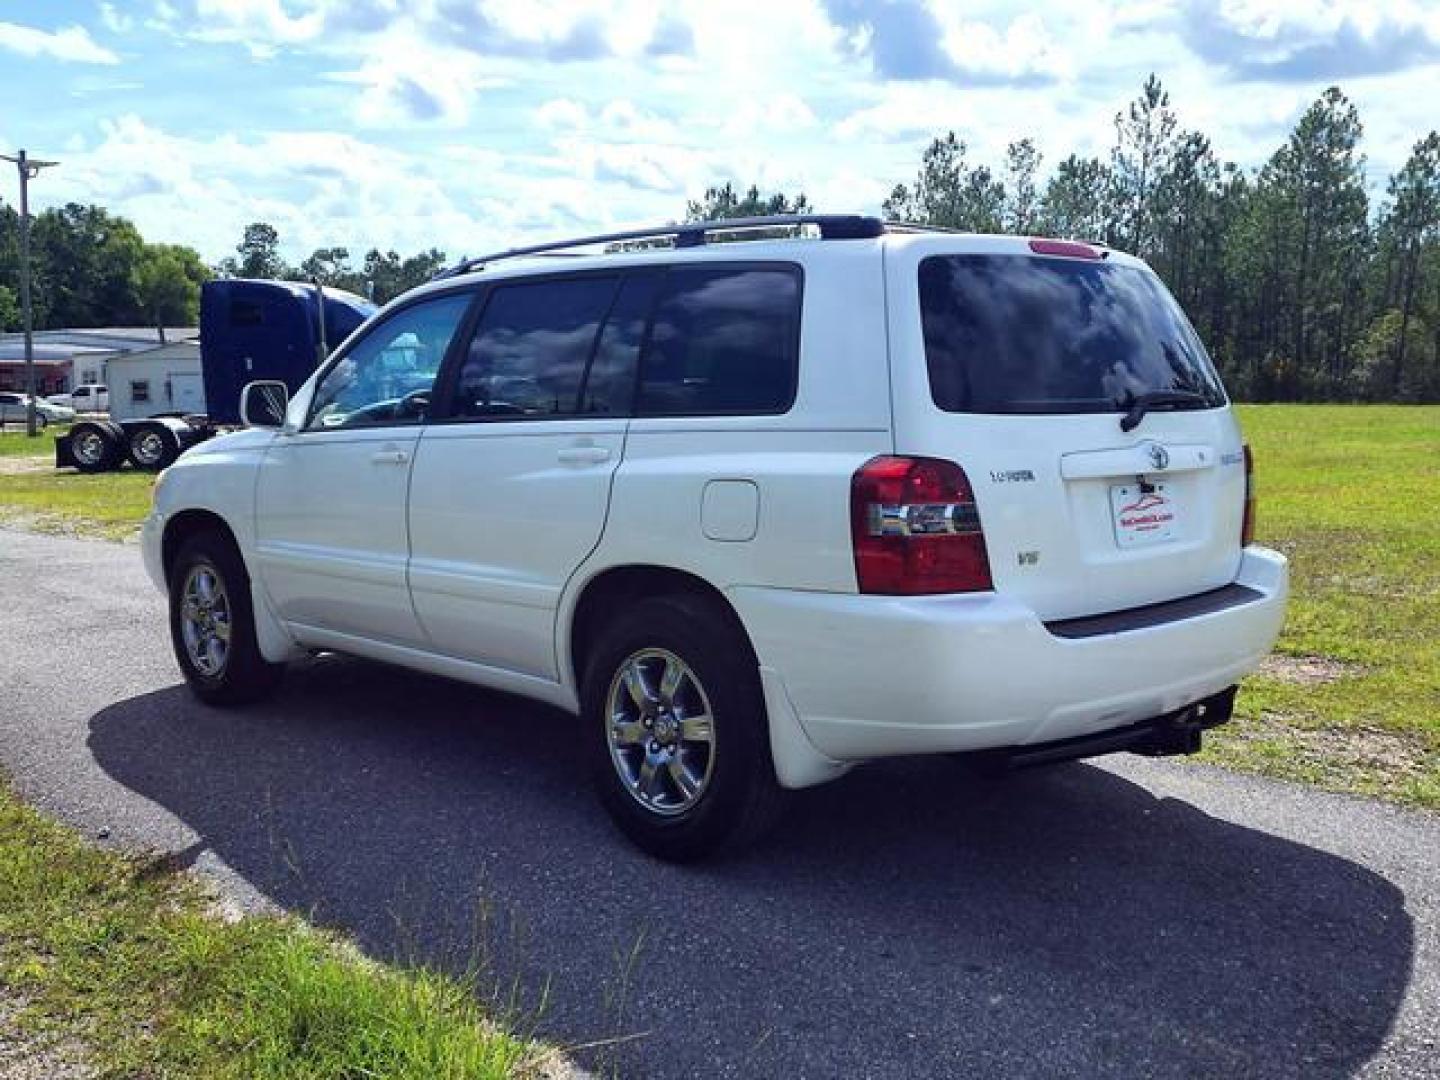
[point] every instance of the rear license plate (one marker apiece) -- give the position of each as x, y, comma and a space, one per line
1143, 517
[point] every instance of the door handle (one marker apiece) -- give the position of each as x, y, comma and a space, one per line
389, 457
583, 455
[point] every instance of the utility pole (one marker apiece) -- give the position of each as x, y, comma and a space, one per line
29, 169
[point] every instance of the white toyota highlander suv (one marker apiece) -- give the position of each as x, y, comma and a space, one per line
759, 501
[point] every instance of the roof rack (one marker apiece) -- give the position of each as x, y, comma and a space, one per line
691, 234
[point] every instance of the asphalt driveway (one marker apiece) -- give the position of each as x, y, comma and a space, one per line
1132, 919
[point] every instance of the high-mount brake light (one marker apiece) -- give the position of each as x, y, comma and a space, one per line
1071, 249
1247, 525
915, 528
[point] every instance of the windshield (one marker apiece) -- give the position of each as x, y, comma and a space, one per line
1020, 334
343, 313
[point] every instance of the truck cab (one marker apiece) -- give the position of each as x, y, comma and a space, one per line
253, 330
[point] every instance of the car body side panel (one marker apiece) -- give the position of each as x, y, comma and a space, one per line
799, 463
218, 477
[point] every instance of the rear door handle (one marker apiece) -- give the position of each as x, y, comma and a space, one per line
583, 455
390, 457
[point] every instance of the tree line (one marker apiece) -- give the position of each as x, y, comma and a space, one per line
1301, 286
381, 275
92, 268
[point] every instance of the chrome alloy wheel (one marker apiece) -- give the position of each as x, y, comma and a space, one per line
662, 735
149, 448
205, 620
89, 447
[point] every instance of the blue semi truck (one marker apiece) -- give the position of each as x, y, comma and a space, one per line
248, 330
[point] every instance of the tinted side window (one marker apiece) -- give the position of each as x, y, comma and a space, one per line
610, 383
725, 340
531, 348
387, 376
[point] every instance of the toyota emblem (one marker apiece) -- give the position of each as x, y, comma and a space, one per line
1159, 456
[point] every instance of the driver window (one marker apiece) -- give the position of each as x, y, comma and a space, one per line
386, 378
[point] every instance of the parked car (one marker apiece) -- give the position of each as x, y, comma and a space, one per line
757, 511
85, 398
13, 410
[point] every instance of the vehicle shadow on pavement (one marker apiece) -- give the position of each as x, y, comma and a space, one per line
906, 921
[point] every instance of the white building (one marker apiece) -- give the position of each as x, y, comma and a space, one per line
65, 359
164, 379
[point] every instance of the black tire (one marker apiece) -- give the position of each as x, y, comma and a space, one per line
94, 447
739, 798
243, 674
151, 447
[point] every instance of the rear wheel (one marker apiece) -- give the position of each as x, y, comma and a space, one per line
151, 447
94, 447
212, 624
676, 731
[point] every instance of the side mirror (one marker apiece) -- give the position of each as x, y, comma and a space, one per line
263, 404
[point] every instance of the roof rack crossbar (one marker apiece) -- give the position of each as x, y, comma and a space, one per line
692, 234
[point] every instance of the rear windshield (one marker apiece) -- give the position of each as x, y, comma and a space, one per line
1020, 334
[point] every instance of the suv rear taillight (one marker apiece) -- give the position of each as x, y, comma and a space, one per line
915, 528
1247, 524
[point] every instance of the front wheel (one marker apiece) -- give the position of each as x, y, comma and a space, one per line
212, 624
676, 731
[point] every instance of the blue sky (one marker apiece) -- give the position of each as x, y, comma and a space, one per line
471, 124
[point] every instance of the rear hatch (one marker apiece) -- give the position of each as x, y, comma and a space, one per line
1020, 366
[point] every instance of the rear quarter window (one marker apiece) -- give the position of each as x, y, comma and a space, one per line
725, 340
1020, 334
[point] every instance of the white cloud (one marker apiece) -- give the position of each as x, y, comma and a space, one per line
115, 21
562, 114
321, 188
478, 124
778, 114
259, 25
1024, 50
73, 44
437, 84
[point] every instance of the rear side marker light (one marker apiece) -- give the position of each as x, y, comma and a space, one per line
1069, 248
915, 528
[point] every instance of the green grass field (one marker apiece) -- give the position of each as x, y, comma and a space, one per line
1350, 493
15, 443
1352, 702
108, 505
34, 495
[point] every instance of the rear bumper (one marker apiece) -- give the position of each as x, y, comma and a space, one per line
878, 676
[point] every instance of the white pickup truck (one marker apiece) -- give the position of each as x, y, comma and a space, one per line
85, 398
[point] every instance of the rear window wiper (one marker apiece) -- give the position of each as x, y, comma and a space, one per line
1139, 405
